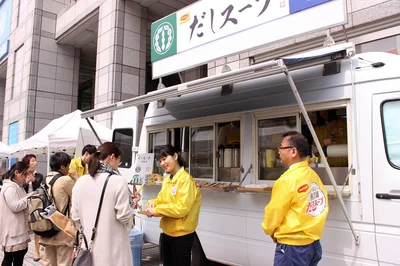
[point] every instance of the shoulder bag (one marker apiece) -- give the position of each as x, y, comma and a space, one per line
84, 256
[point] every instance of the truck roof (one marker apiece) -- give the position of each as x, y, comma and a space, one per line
272, 91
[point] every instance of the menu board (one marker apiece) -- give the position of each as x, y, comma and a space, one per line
143, 166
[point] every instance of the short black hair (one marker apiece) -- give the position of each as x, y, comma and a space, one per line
89, 149
298, 141
59, 159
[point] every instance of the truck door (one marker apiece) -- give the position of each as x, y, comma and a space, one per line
386, 175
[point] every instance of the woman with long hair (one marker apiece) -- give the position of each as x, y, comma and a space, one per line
179, 205
37, 179
14, 236
111, 245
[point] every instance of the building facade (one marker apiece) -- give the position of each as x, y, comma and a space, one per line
59, 56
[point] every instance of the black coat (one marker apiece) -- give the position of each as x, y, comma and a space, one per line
36, 183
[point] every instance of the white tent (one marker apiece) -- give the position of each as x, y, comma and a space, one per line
62, 134
5, 150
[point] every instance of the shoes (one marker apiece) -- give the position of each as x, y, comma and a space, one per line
36, 259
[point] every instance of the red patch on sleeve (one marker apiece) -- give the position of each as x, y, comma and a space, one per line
303, 188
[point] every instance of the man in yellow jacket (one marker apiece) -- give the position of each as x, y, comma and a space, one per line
78, 166
295, 217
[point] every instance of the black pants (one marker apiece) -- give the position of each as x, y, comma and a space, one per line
177, 251
15, 258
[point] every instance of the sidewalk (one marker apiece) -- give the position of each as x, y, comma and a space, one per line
150, 255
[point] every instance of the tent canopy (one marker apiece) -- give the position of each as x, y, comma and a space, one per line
5, 150
60, 134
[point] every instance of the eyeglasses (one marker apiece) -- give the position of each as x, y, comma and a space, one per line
284, 148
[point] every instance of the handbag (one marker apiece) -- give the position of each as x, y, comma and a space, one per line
84, 256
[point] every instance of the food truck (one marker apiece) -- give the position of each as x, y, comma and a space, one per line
265, 101
228, 128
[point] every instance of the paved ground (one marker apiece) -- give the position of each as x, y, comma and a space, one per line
150, 256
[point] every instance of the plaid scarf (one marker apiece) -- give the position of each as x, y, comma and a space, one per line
106, 168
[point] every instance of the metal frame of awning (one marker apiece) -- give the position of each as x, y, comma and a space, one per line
256, 71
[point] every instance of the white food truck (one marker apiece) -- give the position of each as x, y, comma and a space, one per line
266, 100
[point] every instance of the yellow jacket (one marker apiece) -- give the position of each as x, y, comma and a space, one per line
178, 203
298, 208
76, 164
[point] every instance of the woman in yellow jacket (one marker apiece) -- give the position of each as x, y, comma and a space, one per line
179, 205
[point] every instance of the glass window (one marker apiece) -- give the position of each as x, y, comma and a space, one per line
391, 131
270, 133
156, 140
201, 161
179, 138
331, 129
228, 159
387, 45
123, 138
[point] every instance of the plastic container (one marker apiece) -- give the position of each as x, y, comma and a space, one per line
136, 239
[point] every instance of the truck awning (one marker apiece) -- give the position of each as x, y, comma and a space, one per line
279, 65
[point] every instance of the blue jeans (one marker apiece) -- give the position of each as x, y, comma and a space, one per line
308, 255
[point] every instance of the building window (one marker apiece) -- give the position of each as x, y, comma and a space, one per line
22, 12
387, 45
18, 72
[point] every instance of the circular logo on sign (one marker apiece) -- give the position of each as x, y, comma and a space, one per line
163, 38
3, 17
316, 200
138, 169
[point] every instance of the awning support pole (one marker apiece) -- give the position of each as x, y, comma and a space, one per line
48, 158
93, 130
321, 153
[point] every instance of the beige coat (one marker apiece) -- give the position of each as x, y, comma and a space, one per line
62, 191
13, 213
111, 245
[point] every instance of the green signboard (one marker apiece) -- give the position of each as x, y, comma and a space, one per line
163, 38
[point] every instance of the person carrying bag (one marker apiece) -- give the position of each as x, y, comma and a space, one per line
84, 256
112, 245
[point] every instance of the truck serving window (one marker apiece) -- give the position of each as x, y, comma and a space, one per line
123, 138
269, 138
156, 140
201, 159
228, 159
331, 129
391, 131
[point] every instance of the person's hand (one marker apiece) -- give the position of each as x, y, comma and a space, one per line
151, 205
73, 174
29, 178
150, 212
136, 197
327, 141
274, 239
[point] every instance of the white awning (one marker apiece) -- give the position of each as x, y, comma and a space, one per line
269, 68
